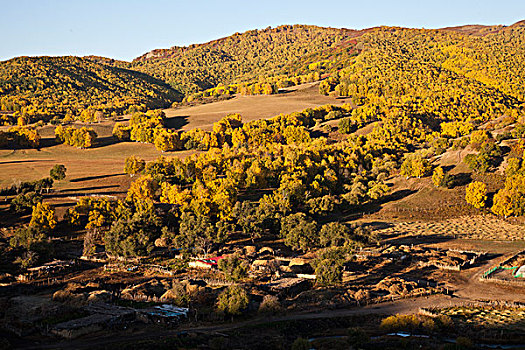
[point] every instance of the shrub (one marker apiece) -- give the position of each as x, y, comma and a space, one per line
232, 300
301, 344
270, 305
58, 172
233, 267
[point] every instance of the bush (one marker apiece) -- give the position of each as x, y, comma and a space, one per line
357, 336
270, 305
233, 267
400, 323
232, 300
58, 172
28, 259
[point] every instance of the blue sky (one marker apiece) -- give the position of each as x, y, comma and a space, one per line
126, 29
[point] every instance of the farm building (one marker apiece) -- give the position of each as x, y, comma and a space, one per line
205, 263
103, 316
166, 314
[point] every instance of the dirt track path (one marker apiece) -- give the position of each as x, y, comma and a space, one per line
406, 306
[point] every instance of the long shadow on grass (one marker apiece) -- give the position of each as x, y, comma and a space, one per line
425, 239
105, 141
48, 142
20, 161
73, 190
81, 193
87, 178
176, 122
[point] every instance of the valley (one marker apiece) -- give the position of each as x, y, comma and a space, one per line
363, 189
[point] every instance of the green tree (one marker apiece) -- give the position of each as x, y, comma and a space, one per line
329, 266
233, 268
193, 228
299, 232
25, 201
58, 172
334, 234
346, 126
27, 237
135, 235
247, 216
233, 300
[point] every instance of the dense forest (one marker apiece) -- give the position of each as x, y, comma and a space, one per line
46, 87
237, 58
473, 71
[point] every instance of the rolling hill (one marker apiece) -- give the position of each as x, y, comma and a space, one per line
384, 65
239, 57
42, 87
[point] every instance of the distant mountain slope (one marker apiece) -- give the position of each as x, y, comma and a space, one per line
47, 86
237, 58
434, 76
436, 70
481, 30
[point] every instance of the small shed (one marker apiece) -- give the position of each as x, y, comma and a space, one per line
205, 263
165, 314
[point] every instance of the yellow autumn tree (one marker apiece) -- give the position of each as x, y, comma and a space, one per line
502, 204
134, 165
166, 140
476, 194
438, 177
174, 194
43, 217
142, 190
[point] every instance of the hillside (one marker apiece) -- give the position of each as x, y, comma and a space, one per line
327, 189
431, 75
448, 64
42, 87
239, 57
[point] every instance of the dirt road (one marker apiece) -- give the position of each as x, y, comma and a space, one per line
406, 306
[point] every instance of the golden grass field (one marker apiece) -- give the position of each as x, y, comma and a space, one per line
251, 108
475, 227
100, 169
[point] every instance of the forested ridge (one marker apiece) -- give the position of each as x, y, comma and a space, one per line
237, 58
45, 87
452, 74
